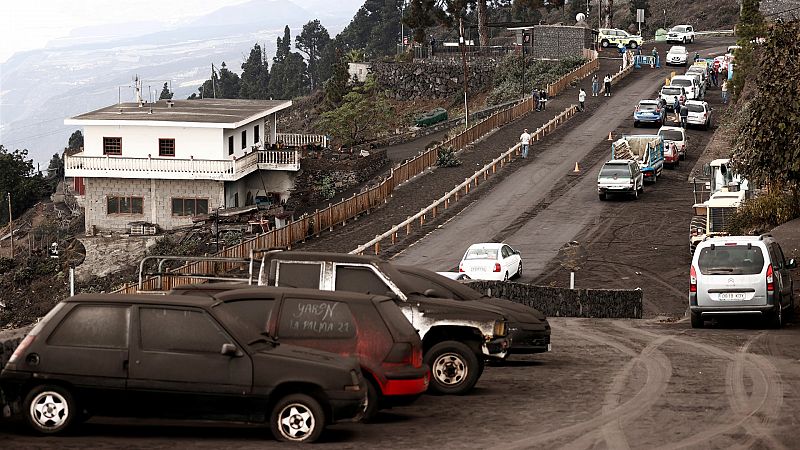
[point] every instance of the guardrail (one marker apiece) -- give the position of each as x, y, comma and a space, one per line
338, 213
453, 195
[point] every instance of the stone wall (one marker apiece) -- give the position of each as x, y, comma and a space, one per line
157, 195
433, 78
559, 42
334, 171
560, 302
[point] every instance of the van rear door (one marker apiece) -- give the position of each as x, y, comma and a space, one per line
731, 275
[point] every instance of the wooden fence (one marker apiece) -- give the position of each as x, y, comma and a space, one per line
339, 213
462, 189
577, 74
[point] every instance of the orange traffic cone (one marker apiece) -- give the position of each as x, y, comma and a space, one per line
577, 169
609, 136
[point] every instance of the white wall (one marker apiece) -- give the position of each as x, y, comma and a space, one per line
263, 130
139, 141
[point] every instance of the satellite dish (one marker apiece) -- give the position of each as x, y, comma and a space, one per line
580, 17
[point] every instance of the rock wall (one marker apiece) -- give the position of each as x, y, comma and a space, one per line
560, 302
559, 42
433, 78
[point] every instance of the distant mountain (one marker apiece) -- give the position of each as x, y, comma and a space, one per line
94, 67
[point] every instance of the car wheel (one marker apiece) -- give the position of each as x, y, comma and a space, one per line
50, 409
604, 43
602, 197
371, 407
455, 368
297, 418
636, 124
682, 156
776, 318
505, 277
697, 320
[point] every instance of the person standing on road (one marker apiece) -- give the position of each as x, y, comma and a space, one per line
595, 85
543, 99
607, 85
525, 142
724, 92
582, 99
676, 107
536, 99
684, 116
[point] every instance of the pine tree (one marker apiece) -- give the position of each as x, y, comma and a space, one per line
289, 75
420, 18
166, 94
255, 76
336, 86
75, 140
313, 41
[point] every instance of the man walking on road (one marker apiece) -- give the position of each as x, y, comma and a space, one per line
607, 85
582, 99
724, 91
525, 142
684, 116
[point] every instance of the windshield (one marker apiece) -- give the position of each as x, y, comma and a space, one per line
671, 135
672, 91
731, 260
677, 50
682, 83
615, 170
647, 107
481, 253
696, 108
678, 29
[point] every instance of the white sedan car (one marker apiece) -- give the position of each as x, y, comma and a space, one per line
491, 261
677, 56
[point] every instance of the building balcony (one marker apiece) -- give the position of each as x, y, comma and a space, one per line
81, 165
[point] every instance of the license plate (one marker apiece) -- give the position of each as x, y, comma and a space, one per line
732, 296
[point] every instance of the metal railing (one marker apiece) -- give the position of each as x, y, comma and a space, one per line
463, 189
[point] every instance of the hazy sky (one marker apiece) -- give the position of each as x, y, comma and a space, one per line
30, 24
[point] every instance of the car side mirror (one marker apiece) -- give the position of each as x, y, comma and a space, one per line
432, 293
792, 264
229, 350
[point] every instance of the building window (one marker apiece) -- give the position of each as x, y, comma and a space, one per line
244, 139
189, 206
230, 145
125, 205
256, 134
112, 145
166, 147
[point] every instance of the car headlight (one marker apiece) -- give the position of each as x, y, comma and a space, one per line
500, 328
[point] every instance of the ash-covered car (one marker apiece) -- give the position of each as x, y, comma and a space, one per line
457, 336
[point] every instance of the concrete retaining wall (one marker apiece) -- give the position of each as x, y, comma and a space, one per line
560, 302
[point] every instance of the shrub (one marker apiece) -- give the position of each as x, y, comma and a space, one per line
765, 212
447, 158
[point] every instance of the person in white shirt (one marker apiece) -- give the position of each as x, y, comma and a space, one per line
582, 99
607, 83
525, 142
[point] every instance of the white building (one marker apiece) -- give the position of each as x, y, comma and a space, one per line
167, 161
359, 71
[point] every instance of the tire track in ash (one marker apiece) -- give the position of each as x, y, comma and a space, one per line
659, 371
766, 397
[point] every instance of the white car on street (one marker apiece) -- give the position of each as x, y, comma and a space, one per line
699, 114
491, 261
676, 136
681, 33
677, 56
688, 82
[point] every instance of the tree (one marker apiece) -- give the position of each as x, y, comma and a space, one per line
166, 94
420, 18
336, 86
75, 140
55, 171
766, 149
289, 75
18, 177
362, 114
375, 28
255, 76
283, 47
750, 26
312, 41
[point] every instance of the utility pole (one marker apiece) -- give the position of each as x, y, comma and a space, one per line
11, 225
464, 61
402, 28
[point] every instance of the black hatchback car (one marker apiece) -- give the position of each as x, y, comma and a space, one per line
176, 357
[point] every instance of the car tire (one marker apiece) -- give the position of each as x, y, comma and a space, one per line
373, 402
697, 320
636, 124
604, 43
602, 197
775, 320
641, 188
455, 368
681, 156
505, 277
50, 409
297, 418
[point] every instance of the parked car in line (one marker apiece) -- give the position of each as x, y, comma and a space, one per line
699, 114
369, 327
528, 329
688, 82
700, 75
677, 56
174, 357
674, 137
668, 94
700, 70
457, 337
491, 261
620, 176
681, 33
458, 276
649, 111
612, 37
740, 275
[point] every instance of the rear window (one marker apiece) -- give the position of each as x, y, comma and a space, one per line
615, 170
695, 108
481, 253
731, 260
671, 135
396, 321
682, 82
672, 91
647, 107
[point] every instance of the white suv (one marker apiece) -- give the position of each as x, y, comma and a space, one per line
620, 176
681, 33
612, 37
740, 275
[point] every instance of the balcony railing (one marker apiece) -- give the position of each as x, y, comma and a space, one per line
81, 165
299, 140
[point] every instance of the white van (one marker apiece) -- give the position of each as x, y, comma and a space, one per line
688, 82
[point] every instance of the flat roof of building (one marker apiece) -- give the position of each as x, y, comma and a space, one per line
205, 113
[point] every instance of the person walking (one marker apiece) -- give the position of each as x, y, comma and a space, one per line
525, 142
724, 92
684, 116
595, 85
582, 99
543, 99
607, 85
536, 105
676, 107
